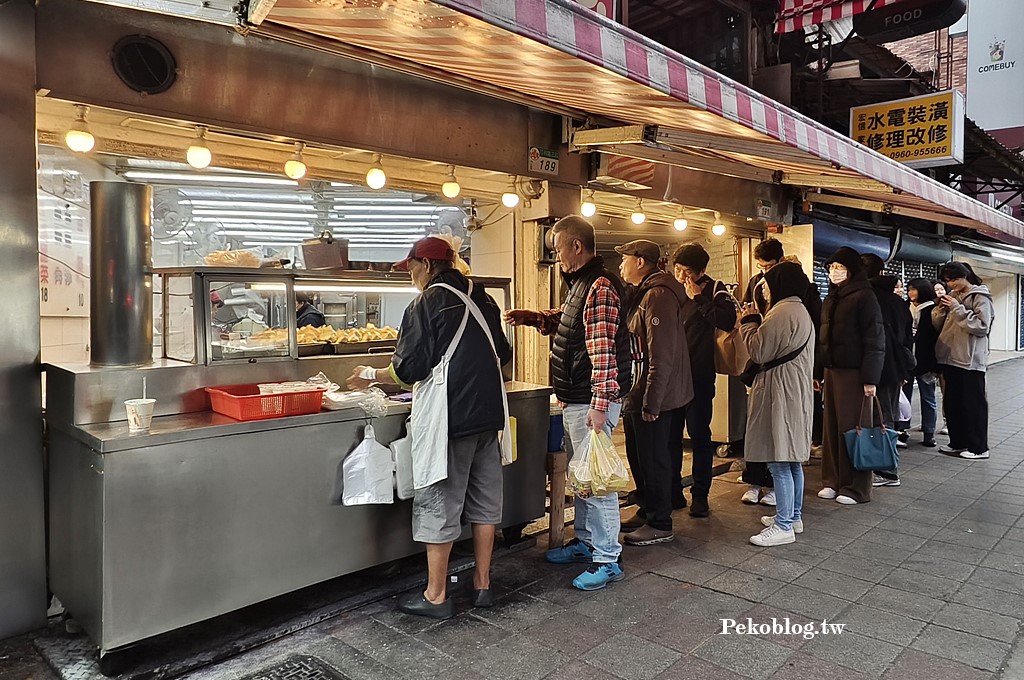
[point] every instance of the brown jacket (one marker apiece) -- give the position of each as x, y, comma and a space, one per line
662, 380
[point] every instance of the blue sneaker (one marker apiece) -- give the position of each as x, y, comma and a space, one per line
598, 576
573, 551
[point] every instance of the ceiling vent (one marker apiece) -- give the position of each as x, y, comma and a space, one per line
144, 64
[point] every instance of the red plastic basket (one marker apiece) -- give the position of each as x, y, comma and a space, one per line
244, 402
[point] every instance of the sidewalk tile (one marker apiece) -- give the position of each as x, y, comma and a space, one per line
832, 583
708, 605
810, 603
1004, 562
990, 600
857, 652
517, 612
857, 567
965, 525
394, 649
746, 655
906, 526
915, 665
890, 538
632, 658
744, 585
676, 630
968, 649
964, 554
692, 668
577, 670
466, 634
922, 584
998, 580
1010, 546
721, 554
881, 625
572, 636
767, 564
689, 570
978, 622
890, 554
514, 658
763, 614
916, 606
938, 566
963, 537
802, 553
803, 666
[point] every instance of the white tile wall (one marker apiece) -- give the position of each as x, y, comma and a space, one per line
64, 339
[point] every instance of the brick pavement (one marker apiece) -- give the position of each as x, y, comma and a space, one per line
928, 579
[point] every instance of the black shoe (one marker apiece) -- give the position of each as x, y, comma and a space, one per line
903, 437
634, 522
418, 605
632, 498
929, 441
679, 502
699, 506
483, 598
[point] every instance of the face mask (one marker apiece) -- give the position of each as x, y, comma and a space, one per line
837, 276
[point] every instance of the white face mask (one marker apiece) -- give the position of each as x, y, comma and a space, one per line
838, 274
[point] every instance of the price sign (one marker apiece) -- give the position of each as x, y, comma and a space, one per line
543, 161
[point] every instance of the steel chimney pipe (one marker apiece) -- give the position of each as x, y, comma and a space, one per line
121, 287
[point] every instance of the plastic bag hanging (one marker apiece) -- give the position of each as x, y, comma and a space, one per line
607, 471
401, 452
455, 243
368, 472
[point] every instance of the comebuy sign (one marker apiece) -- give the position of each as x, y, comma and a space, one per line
922, 132
996, 55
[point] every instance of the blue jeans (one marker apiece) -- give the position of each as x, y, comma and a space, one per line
597, 518
929, 405
789, 493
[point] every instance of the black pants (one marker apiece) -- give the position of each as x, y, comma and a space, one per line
651, 445
697, 418
819, 419
966, 408
889, 398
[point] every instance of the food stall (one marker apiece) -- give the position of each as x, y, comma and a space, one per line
205, 514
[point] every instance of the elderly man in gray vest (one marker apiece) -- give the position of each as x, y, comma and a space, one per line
590, 371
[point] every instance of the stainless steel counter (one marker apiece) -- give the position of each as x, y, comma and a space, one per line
205, 515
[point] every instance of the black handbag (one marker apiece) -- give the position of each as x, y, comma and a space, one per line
750, 372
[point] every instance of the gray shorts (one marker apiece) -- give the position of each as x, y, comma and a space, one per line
471, 493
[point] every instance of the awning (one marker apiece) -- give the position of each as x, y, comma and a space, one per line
797, 14
566, 56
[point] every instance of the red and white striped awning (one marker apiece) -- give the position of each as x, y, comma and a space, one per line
559, 52
797, 14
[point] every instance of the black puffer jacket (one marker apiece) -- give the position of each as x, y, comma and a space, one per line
899, 331
474, 380
852, 335
924, 342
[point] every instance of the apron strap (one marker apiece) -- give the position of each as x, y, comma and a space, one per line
450, 352
474, 309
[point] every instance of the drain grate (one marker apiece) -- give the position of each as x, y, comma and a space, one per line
298, 668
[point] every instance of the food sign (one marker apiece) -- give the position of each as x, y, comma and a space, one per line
922, 132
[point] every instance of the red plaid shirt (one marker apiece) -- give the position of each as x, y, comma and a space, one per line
601, 322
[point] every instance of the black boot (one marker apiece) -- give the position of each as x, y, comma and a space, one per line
699, 506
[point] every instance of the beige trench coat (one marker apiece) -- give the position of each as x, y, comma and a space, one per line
780, 410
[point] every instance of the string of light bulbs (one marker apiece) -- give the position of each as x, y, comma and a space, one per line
588, 208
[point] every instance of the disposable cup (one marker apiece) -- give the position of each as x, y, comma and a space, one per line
140, 414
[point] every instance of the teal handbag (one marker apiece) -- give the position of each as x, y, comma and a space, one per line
873, 447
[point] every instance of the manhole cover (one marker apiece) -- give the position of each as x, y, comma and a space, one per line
298, 668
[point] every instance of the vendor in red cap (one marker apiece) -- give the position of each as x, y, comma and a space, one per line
451, 347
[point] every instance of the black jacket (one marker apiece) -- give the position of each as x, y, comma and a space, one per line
308, 315
852, 335
899, 331
571, 367
474, 380
924, 343
701, 317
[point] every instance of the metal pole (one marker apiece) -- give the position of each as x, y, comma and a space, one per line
121, 288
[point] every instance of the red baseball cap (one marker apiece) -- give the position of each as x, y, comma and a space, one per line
428, 248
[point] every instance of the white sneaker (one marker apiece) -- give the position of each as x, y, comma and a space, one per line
944, 431
969, 456
950, 451
798, 525
750, 497
773, 535
828, 493
845, 500
768, 498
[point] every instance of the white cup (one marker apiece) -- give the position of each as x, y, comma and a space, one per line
140, 414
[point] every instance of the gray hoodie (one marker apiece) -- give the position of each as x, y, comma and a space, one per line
964, 330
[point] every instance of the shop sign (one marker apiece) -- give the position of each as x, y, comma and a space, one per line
995, 57
921, 132
543, 161
764, 209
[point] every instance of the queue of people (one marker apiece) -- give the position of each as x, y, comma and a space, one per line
641, 346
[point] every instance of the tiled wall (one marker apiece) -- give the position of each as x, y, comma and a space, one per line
64, 339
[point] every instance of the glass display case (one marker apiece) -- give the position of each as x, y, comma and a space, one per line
251, 314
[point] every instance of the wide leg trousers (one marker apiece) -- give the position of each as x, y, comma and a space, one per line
844, 397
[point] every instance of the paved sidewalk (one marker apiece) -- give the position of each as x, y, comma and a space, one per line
928, 580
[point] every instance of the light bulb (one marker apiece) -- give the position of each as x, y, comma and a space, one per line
451, 188
294, 167
78, 138
680, 224
718, 229
198, 154
510, 198
588, 208
376, 178
638, 216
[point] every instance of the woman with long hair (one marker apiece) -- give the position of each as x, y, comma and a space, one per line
963, 318
921, 293
848, 366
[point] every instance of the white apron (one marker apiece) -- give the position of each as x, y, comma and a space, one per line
429, 421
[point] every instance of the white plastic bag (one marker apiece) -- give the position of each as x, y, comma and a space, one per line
401, 453
906, 411
367, 473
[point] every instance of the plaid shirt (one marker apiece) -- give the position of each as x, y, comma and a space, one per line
601, 320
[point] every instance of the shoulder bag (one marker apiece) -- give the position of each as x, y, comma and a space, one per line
873, 447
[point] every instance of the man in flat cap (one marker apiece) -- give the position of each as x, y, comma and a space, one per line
655, 408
